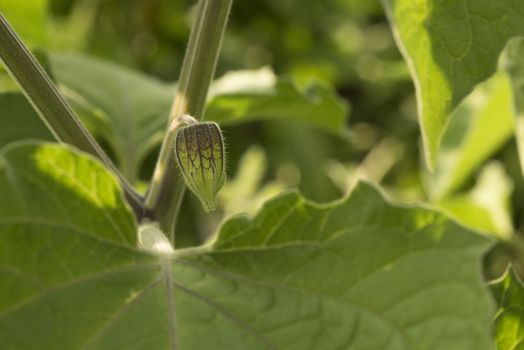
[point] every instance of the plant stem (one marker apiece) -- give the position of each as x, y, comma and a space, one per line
51, 106
167, 186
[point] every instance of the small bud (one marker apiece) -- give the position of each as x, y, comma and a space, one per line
199, 150
151, 238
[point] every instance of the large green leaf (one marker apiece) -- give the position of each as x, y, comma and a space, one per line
357, 274
133, 109
451, 46
19, 121
509, 321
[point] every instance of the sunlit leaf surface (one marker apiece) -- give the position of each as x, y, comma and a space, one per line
451, 46
357, 274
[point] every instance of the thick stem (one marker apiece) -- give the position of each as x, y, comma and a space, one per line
51, 106
167, 186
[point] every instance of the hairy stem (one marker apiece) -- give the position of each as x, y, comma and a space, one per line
167, 185
51, 106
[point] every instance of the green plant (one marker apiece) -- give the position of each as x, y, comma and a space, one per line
91, 258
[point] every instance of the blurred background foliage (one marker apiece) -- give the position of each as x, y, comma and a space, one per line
345, 43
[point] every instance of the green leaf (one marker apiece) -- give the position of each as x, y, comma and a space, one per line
450, 47
352, 266
357, 274
19, 121
132, 109
50, 186
258, 95
477, 129
509, 295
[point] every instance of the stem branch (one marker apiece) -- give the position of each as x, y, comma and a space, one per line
167, 185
